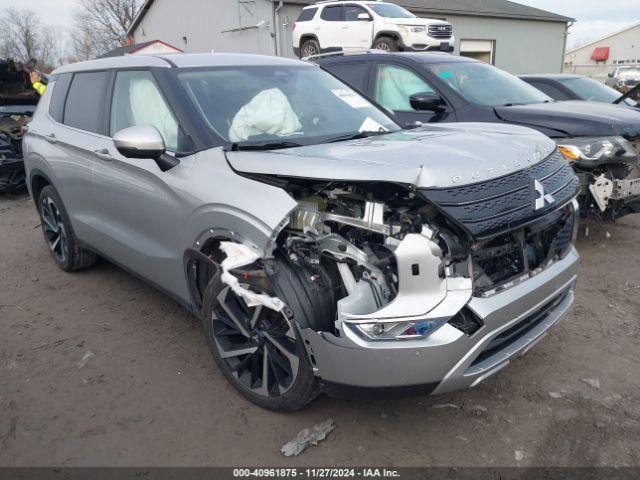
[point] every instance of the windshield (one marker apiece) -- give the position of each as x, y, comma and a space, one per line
389, 10
291, 105
486, 85
592, 90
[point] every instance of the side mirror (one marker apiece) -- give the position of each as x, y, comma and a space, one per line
364, 16
144, 141
427, 101
610, 74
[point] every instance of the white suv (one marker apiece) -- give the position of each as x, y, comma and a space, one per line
336, 25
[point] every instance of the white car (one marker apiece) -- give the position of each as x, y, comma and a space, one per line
341, 25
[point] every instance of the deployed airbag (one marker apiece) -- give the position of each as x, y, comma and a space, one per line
269, 112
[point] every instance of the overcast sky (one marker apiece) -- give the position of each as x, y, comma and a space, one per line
596, 18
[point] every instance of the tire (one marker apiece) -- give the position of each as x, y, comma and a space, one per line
282, 391
58, 233
386, 44
309, 48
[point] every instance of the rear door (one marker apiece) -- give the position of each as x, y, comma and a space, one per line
76, 135
331, 27
392, 86
142, 216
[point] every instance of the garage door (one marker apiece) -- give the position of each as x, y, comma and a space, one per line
478, 49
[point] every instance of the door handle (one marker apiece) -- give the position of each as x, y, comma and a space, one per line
345, 27
103, 155
51, 138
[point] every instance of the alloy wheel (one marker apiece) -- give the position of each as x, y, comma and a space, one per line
54, 231
309, 51
384, 47
256, 343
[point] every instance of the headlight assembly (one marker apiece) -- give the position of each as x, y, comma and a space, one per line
397, 330
597, 150
413, 28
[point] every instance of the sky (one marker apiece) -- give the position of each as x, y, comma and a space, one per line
595, 18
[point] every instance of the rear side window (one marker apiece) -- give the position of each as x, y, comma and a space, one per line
332, 13
83, 109
355, 74
307, 14
551, 90
60, 89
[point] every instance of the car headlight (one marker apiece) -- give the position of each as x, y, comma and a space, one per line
397, 330
597, 150
413, 28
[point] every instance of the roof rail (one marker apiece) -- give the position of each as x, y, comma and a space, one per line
355, 51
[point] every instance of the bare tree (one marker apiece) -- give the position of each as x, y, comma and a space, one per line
103, 24
20, 34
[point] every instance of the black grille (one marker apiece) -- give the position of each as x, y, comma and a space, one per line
509, 256
491, 207
440, 31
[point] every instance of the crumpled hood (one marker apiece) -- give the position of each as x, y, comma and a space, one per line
439, 155
576, 118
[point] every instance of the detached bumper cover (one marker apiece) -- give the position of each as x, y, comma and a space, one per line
12, 176
514, 320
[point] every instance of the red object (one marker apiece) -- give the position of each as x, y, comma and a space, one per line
600, 53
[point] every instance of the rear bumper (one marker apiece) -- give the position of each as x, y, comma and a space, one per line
12, 175
448, 359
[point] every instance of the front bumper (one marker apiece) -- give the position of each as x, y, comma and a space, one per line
12, 175
420, 42
448, 359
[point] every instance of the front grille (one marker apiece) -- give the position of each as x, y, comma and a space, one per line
486, 209
520, 329
440, 31
512, 256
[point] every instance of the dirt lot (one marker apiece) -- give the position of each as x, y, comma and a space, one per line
152, 395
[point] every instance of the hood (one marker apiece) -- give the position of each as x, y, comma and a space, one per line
576, 118
415, 21
440, 155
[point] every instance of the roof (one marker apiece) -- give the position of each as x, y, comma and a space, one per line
475, 8
181, 60
613, 34
130, 49
550, 76
421, 57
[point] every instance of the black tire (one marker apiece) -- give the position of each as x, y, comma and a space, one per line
58, 233
303, 386
309, 48
387, 44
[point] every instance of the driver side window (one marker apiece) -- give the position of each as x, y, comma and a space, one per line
138, 101
394, 86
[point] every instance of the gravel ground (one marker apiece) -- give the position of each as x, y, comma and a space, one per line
153, 396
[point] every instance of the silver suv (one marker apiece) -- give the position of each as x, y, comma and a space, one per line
321, 245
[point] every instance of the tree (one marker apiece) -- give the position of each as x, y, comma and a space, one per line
101, 25
20, 34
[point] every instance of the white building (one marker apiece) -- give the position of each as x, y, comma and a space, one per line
515, 37
599, 57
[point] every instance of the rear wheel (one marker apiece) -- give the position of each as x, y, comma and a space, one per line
58, 233
309, 48
386, 44
259, 350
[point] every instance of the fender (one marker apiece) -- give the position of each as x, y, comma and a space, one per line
389, 33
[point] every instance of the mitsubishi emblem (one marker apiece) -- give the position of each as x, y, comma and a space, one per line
540, 199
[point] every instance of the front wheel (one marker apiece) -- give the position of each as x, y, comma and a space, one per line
309, 48
58, 233
386, 44
258, 350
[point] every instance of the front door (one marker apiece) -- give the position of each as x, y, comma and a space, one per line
358, 32
142, 216
393, 87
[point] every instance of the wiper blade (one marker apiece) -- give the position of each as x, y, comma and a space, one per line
270, 145
356, 135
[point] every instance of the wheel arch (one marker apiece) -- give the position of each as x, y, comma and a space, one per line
389, 34
37, 181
